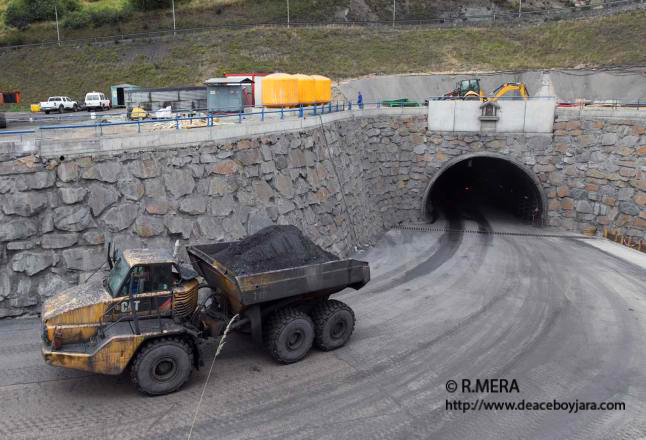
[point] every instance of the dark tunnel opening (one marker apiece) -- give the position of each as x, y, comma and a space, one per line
478, 185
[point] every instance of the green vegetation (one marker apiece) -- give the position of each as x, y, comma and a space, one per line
112, 17
338, 52
21, 13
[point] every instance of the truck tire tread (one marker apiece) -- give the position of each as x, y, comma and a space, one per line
148, 347
321, 314
275, 326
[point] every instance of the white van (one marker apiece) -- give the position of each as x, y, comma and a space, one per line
96, 100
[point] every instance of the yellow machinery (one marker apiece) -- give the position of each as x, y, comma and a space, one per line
144, 315
138, 114
510, 90
34, 108
468, 89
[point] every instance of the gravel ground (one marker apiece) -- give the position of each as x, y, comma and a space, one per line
561, 317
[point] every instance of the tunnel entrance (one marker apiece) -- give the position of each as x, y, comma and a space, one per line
472, 184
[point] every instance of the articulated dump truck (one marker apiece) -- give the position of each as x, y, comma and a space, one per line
144, 315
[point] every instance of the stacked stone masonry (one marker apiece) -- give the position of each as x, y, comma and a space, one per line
343, 189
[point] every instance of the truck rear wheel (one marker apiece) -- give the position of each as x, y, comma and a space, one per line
162, 366
288, 335
333, 324
3, 120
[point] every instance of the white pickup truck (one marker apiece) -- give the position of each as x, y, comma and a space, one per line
98, 101
58, 104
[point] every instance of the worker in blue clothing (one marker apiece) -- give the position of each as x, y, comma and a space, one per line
360, 101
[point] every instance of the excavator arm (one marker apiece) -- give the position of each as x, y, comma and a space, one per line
509, 88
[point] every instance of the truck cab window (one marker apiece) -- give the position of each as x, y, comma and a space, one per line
149, 278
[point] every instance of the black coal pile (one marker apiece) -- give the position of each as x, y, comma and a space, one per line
272, 248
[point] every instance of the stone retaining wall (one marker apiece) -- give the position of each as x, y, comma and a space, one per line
56, 218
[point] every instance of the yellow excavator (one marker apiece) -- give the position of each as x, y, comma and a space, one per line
468, 89
510, 90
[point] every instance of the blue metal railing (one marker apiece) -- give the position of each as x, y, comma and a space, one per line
263, 113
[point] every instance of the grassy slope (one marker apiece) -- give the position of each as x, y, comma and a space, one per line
336, 52
196, 13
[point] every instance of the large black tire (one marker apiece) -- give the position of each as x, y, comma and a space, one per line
333, 324
61, 109
3, 120
162, 366
288, 335
76, 108
46, 112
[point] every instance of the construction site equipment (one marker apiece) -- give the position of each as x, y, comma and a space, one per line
284, 90
306, 86
510, 90
34, 108
470, 89
138, 114
323, 88
403, 102
279, 90
145, 314
466, 89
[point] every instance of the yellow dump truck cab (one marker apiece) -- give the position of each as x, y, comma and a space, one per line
138, 314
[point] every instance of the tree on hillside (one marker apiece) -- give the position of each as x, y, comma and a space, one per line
21, 13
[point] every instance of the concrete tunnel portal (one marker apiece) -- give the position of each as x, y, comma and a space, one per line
471, 184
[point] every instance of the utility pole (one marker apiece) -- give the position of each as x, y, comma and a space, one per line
393, 13
58, 33
520, 8
287, 13
174, 28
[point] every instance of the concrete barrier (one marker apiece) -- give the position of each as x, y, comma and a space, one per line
514, 116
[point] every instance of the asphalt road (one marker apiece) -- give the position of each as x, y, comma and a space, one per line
561, 317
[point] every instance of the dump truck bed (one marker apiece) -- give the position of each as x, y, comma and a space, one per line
249, 289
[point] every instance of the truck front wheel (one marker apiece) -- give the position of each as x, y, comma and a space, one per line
288, 335
162, 366
333, 324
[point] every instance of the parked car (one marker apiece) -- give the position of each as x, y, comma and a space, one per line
97, 101
59, 104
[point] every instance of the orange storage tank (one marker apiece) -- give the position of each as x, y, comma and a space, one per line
306, 89
323, 88
279, 90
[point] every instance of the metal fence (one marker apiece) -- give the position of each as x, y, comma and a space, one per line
71, 127
495, 17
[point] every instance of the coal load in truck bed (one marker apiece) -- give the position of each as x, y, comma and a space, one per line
272, 248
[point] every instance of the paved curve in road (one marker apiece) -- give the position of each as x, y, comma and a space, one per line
564, 319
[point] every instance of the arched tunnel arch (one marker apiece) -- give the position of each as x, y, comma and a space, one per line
489, 180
